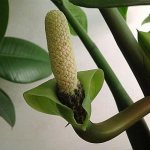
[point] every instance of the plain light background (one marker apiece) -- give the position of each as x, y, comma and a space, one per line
36, 131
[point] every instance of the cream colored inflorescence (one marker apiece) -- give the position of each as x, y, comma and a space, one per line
61, 51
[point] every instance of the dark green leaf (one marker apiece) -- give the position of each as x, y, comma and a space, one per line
109, 3
7, 110
4, 13
144, 41
22, 61
78, 14
123, 11
44, 99
146, 20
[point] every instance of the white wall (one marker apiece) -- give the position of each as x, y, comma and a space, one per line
37, 131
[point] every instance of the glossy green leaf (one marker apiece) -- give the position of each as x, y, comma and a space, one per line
123, 11
146, 20
44, 99
109, 3
78, 13
4, 13
144, 41
7, 110
22, 61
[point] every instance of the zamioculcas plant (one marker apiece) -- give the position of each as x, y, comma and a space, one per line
71, 93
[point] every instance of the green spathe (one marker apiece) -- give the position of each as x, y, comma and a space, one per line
44, 99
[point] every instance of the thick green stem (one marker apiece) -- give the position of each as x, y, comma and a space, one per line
121, 97
138, 136
112, 127
128, 45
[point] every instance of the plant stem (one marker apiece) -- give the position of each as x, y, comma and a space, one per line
108, 129
128, 45
121, 97
139, 137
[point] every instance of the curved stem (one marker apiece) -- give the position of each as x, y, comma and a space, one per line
104, 131
135, 56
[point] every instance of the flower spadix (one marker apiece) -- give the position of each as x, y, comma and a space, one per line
69, 89
61, 51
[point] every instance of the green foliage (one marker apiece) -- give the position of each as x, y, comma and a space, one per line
7, 111
123, 11
108, 3
78, 13
129, 46
144, 41
146, 20
22, 61
4, 13
44, 99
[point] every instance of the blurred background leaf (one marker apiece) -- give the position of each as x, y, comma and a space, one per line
144, 41
4, 13
123, 11
79, 14
7, 110
146, 20
22, 61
